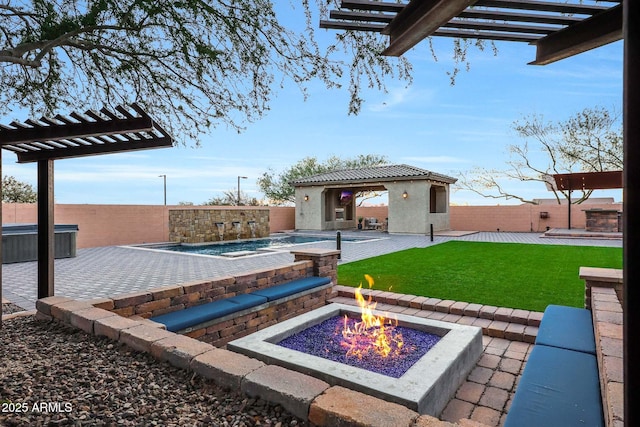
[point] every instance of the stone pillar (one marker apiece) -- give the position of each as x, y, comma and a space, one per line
601, 278
325, 261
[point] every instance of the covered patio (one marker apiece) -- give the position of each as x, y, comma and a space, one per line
418, 198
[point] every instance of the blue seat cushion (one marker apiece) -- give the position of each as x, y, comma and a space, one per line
567, 327
558, 387
182, 319
290, 288
247, 300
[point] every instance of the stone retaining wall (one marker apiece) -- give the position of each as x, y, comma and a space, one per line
608, 324
154, 302
601, 278
603, 296
237, 325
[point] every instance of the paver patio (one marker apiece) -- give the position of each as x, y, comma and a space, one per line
484, 397
113, 270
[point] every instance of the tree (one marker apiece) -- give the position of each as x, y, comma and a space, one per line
14, 191
192, 64
230, 198
589, 141
277, 186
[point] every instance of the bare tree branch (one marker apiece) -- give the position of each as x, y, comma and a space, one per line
586, 142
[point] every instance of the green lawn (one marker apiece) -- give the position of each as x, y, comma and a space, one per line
527, 276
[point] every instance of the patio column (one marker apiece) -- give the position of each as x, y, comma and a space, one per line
0, 225
46, 232
631, 214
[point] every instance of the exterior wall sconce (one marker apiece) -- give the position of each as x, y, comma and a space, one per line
405, 195
306, 198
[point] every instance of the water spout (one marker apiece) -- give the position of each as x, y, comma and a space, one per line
220, 226
236, 224
252, 227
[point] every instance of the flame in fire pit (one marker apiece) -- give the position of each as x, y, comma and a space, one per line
373, 333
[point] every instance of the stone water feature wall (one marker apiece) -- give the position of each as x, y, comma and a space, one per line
200, 226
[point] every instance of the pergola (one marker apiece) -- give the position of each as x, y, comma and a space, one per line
126, 128
558, 29
587, 181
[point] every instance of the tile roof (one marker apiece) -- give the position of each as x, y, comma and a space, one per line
383, 173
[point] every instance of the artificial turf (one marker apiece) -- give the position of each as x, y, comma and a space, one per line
526, 276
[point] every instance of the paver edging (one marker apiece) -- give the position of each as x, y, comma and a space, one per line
494, 321
236, 370
608, 325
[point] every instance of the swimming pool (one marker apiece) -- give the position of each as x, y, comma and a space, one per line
273, 242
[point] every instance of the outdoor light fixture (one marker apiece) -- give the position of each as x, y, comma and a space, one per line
165, 187
306, 197
239, 178
405, 195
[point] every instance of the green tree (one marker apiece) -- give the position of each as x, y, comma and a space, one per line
230, 198
589, 141
277, 186
14, 191
193, 64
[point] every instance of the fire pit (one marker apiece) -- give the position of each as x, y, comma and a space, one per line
425, 386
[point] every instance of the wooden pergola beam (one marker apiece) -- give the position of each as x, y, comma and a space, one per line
352, 26
94, 149
418, 20
599, 30
546, 6
78, 130
379, 6
537, 18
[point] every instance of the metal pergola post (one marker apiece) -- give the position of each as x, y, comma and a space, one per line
631, 209
46, 231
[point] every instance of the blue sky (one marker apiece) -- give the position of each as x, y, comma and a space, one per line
430, 124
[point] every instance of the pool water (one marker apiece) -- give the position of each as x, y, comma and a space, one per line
245, 245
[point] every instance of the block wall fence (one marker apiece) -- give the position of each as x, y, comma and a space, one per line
107, 225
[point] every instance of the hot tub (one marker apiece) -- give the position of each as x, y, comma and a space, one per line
20, 242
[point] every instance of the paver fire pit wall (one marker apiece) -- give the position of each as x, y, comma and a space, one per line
426, 387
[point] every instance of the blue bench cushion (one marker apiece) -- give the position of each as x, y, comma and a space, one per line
247, 301
558, 388
290, 288
182, 319
567, 327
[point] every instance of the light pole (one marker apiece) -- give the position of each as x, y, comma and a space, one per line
240, 177
165, 187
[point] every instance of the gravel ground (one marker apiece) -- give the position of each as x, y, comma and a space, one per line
9, 308
54, 375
